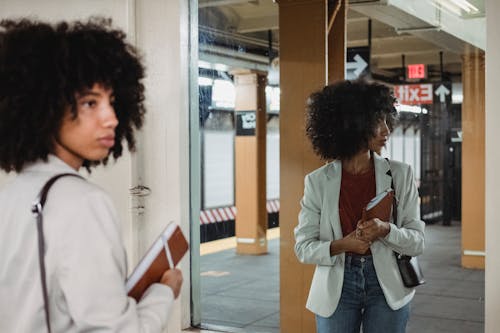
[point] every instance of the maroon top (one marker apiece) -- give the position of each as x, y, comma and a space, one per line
355, 193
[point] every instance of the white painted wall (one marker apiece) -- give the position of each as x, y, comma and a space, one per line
160, 29
492, 288
273, 165
162, 32
218, 168
405, 148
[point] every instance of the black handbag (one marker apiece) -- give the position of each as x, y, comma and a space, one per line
410, 270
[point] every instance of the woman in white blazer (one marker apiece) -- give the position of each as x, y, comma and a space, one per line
356, 282
70, 95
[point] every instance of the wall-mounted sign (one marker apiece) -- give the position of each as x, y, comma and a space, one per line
414, 93
442, 92
357, 62
417, 71
245, 122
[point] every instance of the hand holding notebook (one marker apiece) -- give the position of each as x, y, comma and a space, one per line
379, 207
164, 254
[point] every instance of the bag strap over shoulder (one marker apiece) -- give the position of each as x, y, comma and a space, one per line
37, 209
394, 206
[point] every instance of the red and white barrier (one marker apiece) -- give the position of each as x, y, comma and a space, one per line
223, 214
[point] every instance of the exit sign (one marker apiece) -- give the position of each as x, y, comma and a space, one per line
414, 94
417, 71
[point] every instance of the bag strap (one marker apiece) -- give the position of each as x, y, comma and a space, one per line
37, 209
394, 208
394, 205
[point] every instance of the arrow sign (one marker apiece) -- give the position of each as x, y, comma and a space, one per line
458, 138
358, 65
442, 91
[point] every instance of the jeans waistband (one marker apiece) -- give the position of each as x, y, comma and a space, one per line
357, 258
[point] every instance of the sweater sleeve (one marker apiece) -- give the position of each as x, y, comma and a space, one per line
91, 270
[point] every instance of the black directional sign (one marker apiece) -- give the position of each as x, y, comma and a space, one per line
442, 92
357, 63
245, 123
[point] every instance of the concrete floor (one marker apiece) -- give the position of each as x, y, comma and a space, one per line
241, 293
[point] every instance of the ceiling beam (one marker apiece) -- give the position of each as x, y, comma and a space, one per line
428, 58
222, 51
261, 23
217, 3
395, 44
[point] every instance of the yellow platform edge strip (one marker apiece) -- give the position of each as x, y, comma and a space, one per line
230, 243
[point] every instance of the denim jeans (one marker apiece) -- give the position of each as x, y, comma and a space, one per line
363, 303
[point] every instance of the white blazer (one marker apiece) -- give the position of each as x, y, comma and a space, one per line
319, 224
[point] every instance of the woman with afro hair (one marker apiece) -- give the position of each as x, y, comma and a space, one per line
70, 96
356, 282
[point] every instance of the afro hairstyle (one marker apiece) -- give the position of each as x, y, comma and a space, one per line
343, 117
43, 66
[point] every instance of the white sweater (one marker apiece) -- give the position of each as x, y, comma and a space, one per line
85, 260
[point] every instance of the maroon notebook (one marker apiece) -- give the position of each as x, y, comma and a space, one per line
379, 207
157, 260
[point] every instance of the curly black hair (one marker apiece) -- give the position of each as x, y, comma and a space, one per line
43, 66
342, 117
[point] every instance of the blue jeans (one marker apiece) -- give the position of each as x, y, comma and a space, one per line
363, 303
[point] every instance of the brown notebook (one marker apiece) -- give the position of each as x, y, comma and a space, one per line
165, 253
379, 207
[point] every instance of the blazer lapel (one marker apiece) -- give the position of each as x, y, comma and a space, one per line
382, 174
332, 194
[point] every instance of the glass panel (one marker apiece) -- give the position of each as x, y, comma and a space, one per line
382, 41
237, 292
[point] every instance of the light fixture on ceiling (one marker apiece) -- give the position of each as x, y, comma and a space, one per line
465, 5
456, 6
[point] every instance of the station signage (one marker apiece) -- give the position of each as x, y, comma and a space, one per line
414, 94
416, 71
245, 123
357, 62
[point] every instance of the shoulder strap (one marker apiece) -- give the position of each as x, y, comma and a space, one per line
394, 207
37, 209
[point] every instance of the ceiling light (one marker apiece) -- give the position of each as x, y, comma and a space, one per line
456, 6
466, 6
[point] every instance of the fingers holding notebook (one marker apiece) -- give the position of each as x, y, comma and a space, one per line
372, 229
173, 279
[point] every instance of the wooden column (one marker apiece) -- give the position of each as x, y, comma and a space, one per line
250, 162
303, 69
337, 41
473, 157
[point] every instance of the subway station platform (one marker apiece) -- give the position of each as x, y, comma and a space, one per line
241, 293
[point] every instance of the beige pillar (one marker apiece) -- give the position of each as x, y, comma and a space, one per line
473, 160
303, 69
250, 162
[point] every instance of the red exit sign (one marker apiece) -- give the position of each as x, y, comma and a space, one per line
414, 94
417, 71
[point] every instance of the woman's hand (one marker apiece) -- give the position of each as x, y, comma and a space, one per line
371, 230
355, 244
173, 279
349, 243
